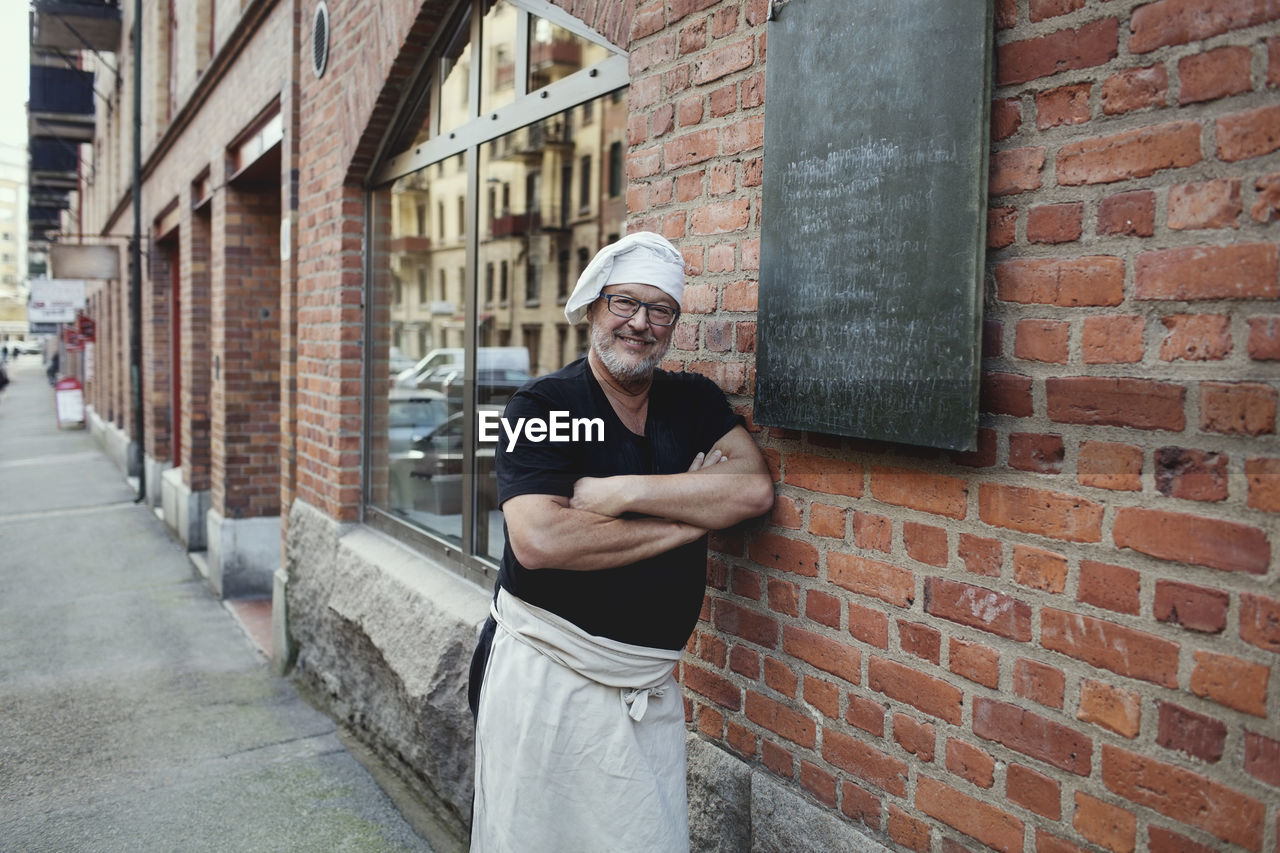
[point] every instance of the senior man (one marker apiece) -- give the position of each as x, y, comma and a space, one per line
580, 722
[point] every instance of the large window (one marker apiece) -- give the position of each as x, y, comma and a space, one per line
478, 140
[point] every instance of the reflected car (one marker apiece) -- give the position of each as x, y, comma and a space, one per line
412, 415
494, 386
428, 477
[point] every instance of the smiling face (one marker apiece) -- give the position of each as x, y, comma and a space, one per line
630, 348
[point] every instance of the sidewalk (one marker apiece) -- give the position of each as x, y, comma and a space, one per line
135, 713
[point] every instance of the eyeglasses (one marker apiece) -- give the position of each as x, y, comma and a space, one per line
625, 306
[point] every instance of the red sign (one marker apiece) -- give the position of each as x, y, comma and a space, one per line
73, 340
87, 328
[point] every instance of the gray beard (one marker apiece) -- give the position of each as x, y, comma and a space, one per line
624, 371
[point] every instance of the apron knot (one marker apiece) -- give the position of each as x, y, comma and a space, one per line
638, 701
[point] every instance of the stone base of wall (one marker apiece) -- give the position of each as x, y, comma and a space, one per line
183, 509
155, 471
383, 640
243, 554
114, 441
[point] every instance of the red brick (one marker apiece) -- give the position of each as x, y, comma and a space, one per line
920, 490
1066, 105
1006, 14
981, 556
1113, 708
970, 763
870, 625
1034, 790
721, 218
1183, 472
723, 61
925, 543
866, 714
747, 584
931, 695
1016, 170
822, 695
1130, 154
1232, 682
818, 782
976, 662
1237, 408
1224, 545
1214, 74
1112, 339
1196, 337
1042, 454
1241, 271
1065, 282
781, 678
1006, 394
1135, 89
781, 720
744, 661
784, 597
1264, 338
886, 582
874, 532
785, 513
1006, 118
1116, 401
1171, 22
1102, 823
778, 759
745, 623
1195, 734
1065, 50
920, 640
865, 762
710, 722
978, 608
1109, 465
1052, 514
915, 737
1131, 214
1039, 682
1111, 587
1106, 645
1002, 229
787, 555
1033, 735
1039, 569
1206, 204
1042, 9
715, 687
907, 831
827, 521
1042, 340
1184, 795
740, 738
982, 456
824, 653
822, 608
1248, 134
992, 826
1260, 621
860, 805
1262, 758
1164, 841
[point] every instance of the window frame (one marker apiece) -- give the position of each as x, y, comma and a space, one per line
603, 79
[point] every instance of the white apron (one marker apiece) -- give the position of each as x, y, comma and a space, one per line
579, 741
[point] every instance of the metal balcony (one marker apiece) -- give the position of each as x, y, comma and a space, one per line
76, 24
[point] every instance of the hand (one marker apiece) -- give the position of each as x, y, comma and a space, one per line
706, 460
601, 495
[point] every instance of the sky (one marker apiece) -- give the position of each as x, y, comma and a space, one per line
14, 61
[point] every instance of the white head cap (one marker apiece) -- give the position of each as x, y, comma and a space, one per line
640, 258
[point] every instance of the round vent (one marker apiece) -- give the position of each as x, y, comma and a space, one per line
320, 40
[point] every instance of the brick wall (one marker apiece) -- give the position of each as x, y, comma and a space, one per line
196, 357
157, 346
1067, 639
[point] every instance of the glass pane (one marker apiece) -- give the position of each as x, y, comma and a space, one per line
498, 86
545, 203
418, 304
455, 79
554, 53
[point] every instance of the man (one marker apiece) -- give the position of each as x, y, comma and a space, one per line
580, 723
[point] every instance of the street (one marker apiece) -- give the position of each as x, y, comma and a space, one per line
135, 713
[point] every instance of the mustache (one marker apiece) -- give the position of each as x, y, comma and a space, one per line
642, 338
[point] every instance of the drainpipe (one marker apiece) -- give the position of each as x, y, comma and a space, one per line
135, 257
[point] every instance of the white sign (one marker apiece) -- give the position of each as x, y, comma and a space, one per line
55, 300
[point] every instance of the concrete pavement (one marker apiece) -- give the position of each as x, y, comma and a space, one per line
135, 713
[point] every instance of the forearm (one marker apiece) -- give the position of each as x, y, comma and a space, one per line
712, 498
578, 540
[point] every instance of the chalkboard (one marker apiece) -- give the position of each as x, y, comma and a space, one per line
874, 220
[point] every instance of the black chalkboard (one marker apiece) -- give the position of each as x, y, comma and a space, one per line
874, 220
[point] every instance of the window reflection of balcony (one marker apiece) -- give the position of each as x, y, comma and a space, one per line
558, 52
515, 224
411, 243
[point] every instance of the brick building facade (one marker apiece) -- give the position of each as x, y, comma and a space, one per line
1064, 640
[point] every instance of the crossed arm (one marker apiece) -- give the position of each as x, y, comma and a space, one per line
729, 484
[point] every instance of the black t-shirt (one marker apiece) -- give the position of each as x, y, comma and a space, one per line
654, 602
